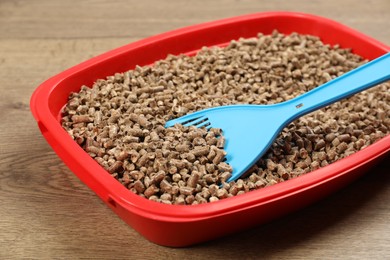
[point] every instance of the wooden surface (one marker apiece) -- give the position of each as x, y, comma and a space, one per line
47, 213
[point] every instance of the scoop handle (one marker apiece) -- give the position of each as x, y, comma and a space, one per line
348, 84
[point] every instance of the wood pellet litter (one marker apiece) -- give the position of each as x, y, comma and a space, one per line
120, 120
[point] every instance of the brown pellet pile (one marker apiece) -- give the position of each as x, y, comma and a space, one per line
120, 120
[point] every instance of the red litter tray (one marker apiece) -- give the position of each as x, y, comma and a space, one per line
180, 225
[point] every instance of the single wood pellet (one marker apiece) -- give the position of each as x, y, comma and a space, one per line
120, 120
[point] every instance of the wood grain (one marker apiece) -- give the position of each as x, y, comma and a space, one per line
47, 213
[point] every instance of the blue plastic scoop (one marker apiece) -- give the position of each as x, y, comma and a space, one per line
250, 130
